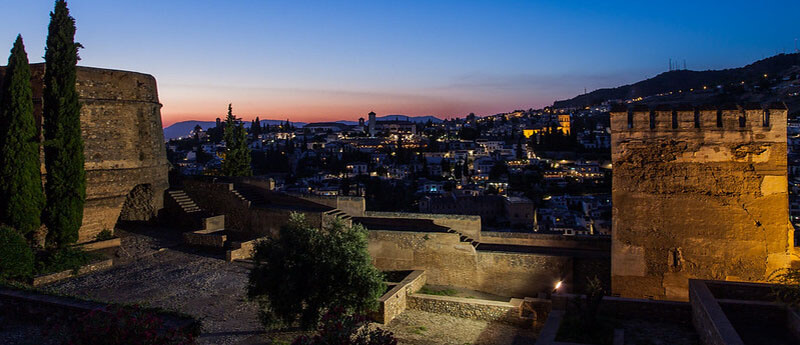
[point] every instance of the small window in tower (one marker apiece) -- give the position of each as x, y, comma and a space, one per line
696, 118
719, 118
742, 121
630, 119
674, 119
765, 119
652, 120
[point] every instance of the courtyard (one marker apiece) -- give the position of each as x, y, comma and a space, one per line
152, 268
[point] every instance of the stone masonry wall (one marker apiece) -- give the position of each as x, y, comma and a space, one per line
123, 142
448, 261
697, 193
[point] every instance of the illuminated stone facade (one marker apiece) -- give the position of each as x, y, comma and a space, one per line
697, 193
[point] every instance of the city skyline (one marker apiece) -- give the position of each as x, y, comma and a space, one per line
324, 62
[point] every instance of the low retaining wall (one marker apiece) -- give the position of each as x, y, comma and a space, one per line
507, 312
97, 245
205, 238
54, 277
394, 302
242, 250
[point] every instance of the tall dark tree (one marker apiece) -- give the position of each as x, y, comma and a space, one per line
237, 154
66, 179
21, 196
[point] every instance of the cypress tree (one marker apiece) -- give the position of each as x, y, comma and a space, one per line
65, 188
21, 197
237, 154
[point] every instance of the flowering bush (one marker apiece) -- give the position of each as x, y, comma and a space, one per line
124, 326
336, 328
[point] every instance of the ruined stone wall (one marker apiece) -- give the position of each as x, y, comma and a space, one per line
123, 144
697, 193
448, 261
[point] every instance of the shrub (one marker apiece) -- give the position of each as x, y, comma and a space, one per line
337, 328
16, 257
63, 259
104, 235
582, 323
304, 272
786, 288
123, 326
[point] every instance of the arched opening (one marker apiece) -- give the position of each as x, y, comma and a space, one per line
138, 206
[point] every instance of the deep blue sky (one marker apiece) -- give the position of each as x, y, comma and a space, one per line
330, 60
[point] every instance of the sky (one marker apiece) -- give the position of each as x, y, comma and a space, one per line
338, 60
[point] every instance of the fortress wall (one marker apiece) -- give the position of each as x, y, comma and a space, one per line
448, 261
704, 196
123, 144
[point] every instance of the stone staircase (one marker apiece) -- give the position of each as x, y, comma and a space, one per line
339, 214
464, 238
186, 213
249, 194
184, 201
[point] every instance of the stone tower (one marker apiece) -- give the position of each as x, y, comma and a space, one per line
372, 123
697, 193
126, 162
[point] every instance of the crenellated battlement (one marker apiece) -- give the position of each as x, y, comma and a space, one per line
682, 119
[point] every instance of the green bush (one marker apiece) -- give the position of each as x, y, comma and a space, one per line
786, 286
63, 259
104, 235
16, 257
305, 272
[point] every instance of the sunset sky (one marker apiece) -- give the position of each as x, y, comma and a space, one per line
337, 60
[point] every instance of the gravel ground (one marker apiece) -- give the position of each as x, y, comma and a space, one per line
153, 269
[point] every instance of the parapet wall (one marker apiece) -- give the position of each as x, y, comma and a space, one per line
697, 193
352, 205
469, 226
602, 243
123, 144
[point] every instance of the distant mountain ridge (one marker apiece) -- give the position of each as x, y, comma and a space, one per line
180, 129
777, 65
